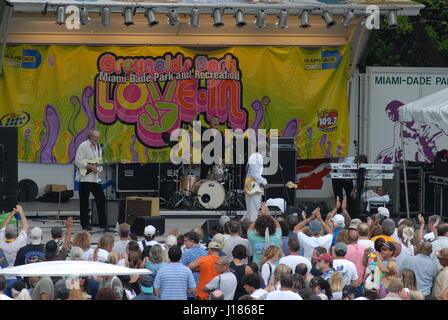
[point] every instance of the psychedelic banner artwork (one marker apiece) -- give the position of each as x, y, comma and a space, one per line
137, 95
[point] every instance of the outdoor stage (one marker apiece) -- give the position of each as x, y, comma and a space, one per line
47, 215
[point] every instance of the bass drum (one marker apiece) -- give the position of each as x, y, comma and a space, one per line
211, 194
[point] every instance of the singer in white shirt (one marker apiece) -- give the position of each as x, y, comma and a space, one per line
90, 183
255, 170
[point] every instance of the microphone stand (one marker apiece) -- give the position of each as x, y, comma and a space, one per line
107, 193
285, 190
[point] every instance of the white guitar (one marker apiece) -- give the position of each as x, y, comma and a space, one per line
252, 187
98, 162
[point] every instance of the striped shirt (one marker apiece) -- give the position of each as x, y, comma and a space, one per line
174, 280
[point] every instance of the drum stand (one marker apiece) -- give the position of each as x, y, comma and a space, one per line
178, 195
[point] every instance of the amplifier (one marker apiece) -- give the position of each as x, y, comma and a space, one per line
140, 207
137, 177
112, 212
284, 143
139, 224
441, 168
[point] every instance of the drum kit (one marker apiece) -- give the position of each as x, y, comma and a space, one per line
219, 191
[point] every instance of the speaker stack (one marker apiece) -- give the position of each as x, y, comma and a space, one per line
8, 168
287, 158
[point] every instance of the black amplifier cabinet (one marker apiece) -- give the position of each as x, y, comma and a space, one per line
137, 177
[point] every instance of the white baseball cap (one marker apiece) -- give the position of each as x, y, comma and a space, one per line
338, 221
36, 235
150, 230
384, 212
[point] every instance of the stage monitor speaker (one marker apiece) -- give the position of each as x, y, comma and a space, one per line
140, 206
139, 224
8, 168
208, 226
137, 177
287, 167
279, 192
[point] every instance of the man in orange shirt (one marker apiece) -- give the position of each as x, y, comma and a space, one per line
206, 266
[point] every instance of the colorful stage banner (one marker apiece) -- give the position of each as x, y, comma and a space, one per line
136, 95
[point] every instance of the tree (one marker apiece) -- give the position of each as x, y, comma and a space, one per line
420, 41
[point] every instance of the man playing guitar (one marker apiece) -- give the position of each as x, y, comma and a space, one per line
88, 157
254, 171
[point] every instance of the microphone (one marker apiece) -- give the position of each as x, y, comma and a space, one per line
280, 166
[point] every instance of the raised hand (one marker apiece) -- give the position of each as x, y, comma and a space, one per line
264, 210
316, 213
69, 223
303, 215
338, 203
344, 204
421, 220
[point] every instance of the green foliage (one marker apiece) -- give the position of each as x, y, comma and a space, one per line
420, 41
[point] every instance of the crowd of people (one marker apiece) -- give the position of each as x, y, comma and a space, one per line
305, 256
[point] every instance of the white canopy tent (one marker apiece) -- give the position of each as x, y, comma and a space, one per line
66, 268
432, 109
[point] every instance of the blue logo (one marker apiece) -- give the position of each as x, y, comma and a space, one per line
15, 119
331, 59
32, 64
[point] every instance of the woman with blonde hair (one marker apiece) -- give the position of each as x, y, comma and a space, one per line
337, 285
279, 270
105, 246
389, 275
268, 264
406, 235
83, 240
409, 279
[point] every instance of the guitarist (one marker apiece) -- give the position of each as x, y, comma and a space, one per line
254, 170
91, 182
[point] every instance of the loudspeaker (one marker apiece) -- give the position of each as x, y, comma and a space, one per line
112, 212
286, 168
208, 226
139, 224
140, 206
137, 177
27, 190
8, 168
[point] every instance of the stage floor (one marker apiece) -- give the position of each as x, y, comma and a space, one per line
71, 208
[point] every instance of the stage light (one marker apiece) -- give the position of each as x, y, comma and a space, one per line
328, 19
305, 19
261, 16
84, 16
128, 17
348, 17
217, 17
152, 20
173, 18
60, 15
393, 23
105, 16
282, 19
239, 17
194, 17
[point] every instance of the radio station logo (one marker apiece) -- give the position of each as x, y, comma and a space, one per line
29, 59
329, 59
15, 119
327, 120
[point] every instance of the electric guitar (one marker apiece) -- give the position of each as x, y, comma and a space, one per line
253, 187
98, 162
